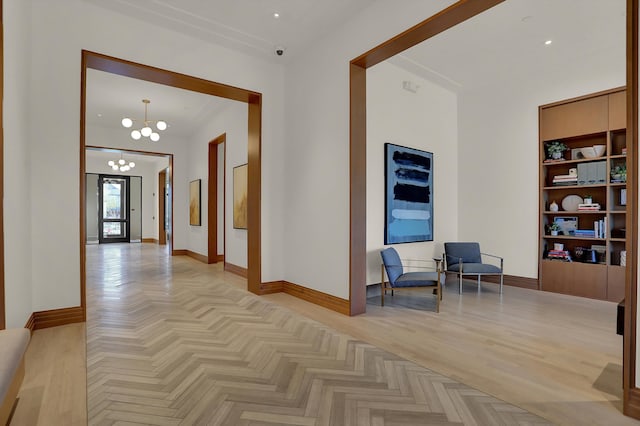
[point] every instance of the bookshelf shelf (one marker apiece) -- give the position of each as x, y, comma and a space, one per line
572, 237
582, 123
574, 187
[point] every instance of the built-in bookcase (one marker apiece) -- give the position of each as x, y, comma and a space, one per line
595, 269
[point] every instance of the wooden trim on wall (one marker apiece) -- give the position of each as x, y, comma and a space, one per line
632, 402
212, 198
31, 323
197, 256
2, 299
54, 318
319, 298
150, 240
238, 270
272, 287
631, 395
253, 99
512, 280
449, 17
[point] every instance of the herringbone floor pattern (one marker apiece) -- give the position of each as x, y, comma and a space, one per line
171, 341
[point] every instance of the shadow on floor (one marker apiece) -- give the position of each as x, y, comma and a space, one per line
610, 380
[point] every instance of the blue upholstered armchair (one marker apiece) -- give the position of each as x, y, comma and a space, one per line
466, 259
399, 279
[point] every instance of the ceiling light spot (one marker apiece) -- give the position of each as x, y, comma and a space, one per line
548, 42
276, 15
99, 115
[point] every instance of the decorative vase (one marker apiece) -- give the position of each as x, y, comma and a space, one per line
588, 200
553, 206
556, 155
554, 233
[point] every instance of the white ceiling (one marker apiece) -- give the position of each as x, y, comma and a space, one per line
111, 97
506, 42
503, 44
245, 25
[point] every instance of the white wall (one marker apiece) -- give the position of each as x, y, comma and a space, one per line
498, 155
316, 164
232, 121
17, 165
60, 30
425, 120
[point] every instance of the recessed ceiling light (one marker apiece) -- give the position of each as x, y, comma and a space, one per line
276, 15
548, 42
99, 115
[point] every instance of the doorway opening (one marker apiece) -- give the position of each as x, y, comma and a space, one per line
253, 100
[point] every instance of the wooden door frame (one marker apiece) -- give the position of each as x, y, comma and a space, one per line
2, 300
449, 17
162, 187
212, 199
98, 61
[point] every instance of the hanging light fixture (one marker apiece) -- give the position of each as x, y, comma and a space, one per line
121, 164
146, 129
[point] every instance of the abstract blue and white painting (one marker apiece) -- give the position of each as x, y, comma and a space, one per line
409, 196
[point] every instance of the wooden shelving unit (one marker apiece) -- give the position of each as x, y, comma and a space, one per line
597, 119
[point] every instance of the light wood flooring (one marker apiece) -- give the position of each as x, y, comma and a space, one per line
556, 356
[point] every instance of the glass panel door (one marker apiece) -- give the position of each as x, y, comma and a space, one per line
113, 215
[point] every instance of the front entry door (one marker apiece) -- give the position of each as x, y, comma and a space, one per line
113, 218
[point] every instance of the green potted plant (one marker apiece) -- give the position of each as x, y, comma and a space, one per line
554, 228
555, 149
619, 173
588, 199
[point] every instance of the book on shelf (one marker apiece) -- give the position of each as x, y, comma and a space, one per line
589, 207
600, 228
564, 177
559, 255
589, 233
565, 183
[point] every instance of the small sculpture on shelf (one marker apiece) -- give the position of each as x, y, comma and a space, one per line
556, 149
553, 207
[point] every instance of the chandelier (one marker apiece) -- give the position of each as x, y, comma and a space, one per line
121, 165
146, 129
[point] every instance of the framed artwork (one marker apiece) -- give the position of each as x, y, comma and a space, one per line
408, 195
194, 202
568, 224
240, 179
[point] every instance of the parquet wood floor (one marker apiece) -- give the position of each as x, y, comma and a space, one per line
171, 342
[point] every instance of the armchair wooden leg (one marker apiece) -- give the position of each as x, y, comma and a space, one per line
382, 290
